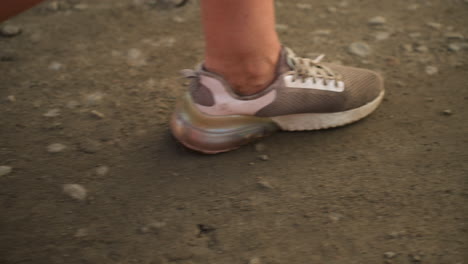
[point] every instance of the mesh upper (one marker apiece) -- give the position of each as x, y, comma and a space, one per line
361, 87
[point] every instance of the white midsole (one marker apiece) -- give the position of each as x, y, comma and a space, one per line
318, 121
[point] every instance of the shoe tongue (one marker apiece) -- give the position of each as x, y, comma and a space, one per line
284, 63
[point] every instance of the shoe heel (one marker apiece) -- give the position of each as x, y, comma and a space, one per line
214, 134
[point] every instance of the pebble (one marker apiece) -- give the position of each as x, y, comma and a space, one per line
422, 49
56, 147
396, 234
454, 47
255, 260
10, 30
434, 25
415, 258
454, 35
55, 66
53, 6
263, 157
135, 57
389, 254
4, 170
151, 227
11, 98
413, 7
75, 191
178, 19
335, 217
343, 4
331, 9
281, 27
90, 146
360, 49
82, 232
415, 35
407, 47
447, 112
52, 113
102, 170
94, 99
80, 7
322, 32
377, 21
72, 104
381, 35
431, 70
264, 185
97, 114
304, 6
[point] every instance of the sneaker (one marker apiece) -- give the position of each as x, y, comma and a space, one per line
306, 95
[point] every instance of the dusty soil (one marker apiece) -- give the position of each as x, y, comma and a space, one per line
101, 78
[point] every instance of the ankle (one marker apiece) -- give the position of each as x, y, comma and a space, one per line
247, 75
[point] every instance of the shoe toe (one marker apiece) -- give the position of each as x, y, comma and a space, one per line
361, 86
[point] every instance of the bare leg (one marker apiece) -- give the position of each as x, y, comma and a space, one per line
241, 42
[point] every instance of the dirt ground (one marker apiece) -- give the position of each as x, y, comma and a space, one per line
89, 172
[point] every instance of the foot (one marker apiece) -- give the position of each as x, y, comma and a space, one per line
306, 95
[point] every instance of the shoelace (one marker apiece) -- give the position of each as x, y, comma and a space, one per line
305, 68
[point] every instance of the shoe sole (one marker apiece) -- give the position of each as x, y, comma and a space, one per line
214, 134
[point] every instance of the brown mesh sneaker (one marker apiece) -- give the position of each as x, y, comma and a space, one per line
306, 95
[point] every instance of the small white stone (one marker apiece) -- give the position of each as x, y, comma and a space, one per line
11, 98
389, 254
415, 35
360, 49
94, 99
75, 191
135, 58
322, 32
431, 70
56, 148
52, 113
413, 7
97, 114
454, 47
343, 4
335, 217
102, 170
80, 7
422, 49
407, 47
454, 35
82, 232
331, 9
10, 30
381, 35
134, 54
281, 27
264, 185
53, 6
377, 21
178, 19
447, 112
4, 170
255, 260
55, 66
434, 25
304, 6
